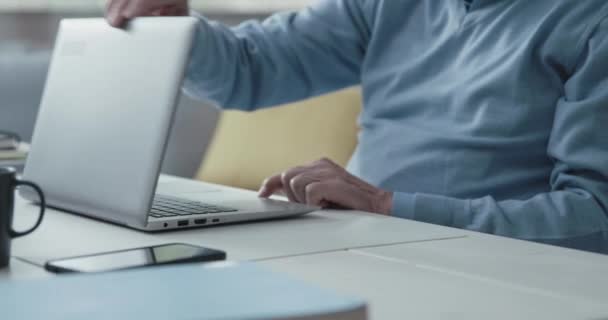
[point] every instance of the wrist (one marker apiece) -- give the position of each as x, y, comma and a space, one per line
384, 203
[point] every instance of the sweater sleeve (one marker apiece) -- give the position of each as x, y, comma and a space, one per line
288, 57
575, 211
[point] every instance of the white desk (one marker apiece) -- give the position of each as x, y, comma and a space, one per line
19, 270
396, 290
550, 271
405, 269
65, 235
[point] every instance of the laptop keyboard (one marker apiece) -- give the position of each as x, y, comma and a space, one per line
165, 206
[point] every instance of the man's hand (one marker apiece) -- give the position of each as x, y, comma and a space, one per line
119, 11
325, 184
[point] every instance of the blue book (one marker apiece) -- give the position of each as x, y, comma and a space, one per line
188, 292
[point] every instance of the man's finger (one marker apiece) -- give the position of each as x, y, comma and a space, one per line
115, 13
270, 186
111, 11
109, 5
297, 185
315, 194
286, 181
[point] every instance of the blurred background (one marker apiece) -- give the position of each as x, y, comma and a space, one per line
27, 33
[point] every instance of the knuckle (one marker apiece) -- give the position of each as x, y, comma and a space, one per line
295, 182
326, 162
335, 182
310, 188
323, 160
285, 181
314, 188
285, 177
271, 179
290, 173
311, 194
327, 173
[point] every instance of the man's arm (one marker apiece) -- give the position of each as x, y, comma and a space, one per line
575, 212
288, 57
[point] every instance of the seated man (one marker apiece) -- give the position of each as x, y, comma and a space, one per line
478, 114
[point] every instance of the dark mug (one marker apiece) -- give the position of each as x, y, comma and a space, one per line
8, 184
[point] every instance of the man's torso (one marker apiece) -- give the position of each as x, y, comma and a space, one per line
461, 103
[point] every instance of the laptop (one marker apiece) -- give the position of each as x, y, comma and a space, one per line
103, 126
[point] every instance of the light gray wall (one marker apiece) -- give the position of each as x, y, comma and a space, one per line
22, 74
25, 45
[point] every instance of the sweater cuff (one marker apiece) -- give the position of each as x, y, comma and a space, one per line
431, 209
194, 72
403, 205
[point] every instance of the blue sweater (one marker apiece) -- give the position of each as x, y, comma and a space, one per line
488, 117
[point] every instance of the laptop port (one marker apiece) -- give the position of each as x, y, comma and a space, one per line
215, 220
200, 221
182, 223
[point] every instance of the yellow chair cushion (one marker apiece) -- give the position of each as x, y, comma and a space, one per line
249, 147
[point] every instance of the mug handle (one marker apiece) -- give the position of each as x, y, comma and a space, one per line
15, 234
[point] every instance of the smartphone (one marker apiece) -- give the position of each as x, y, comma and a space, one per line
173, 253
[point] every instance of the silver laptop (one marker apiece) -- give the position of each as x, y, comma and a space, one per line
103, 126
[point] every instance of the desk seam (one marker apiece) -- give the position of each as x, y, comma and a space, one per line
473, 277
27, 262
356, 248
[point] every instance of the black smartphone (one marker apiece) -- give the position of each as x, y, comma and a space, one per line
173, 253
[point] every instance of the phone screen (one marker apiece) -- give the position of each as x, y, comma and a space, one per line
140, 257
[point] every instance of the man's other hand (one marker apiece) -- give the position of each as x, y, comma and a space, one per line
325, 184
119, 11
